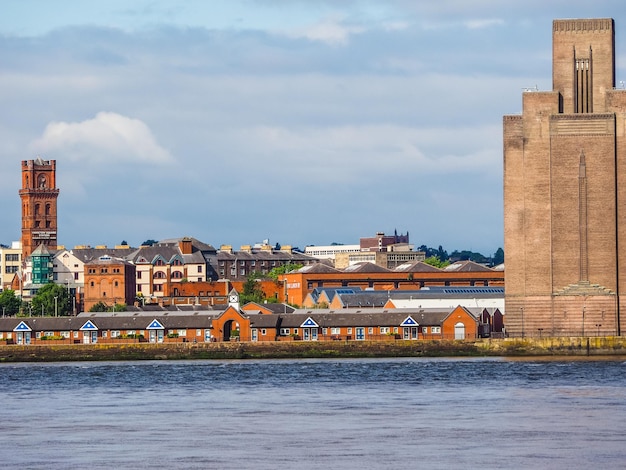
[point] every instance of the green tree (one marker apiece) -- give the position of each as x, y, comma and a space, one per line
9, 302
252, 291
436, 262
498, 257
98, 307
102, 307
149, 242
430, 252
51, 299
469, 255
285, 268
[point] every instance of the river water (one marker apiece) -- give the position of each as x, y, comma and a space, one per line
306, 414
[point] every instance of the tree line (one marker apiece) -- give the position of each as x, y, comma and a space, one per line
440, 258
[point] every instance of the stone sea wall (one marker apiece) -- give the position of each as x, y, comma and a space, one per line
532, 347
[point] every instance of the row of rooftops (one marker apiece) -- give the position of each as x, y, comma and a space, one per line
426, 292
199, 252
410, 267
204, 318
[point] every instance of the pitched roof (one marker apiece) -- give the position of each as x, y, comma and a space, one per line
364, 317
318, 268
467, 266
364, 299
89, 254
330, 292
41, 250
195, 243
416, 267
365, 267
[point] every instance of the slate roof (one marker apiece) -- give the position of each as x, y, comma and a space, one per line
332, 291
364, 299
266, 255
265, 321
41, 250
196, 244
460, 266
107, 259
134, 321
167, 251
416, 267
351, 317
318, 268
460, 290
87, 255
278, 308
378, 298
365, 267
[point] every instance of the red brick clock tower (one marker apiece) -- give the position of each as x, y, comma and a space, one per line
39, 205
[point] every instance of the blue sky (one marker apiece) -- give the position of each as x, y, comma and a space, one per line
301, 122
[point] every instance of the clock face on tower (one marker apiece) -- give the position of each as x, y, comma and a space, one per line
234, 298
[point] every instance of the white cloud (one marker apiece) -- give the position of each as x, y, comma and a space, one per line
346, 153
330, 31
483, 23
396, 25
105, 138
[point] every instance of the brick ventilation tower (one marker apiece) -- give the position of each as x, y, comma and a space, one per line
565, 193
39, 205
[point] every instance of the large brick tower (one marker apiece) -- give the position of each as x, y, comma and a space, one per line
39, 205
565, 193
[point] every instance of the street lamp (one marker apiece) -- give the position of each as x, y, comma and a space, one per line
56, 312
598, 325
522, 311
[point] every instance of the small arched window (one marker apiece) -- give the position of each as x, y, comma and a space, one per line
177, 275
159, 275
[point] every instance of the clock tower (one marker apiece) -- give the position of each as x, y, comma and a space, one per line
233, 299
39, 205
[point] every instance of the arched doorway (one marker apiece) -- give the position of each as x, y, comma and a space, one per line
231, 331
459, 331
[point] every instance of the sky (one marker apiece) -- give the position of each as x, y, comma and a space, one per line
301, 122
